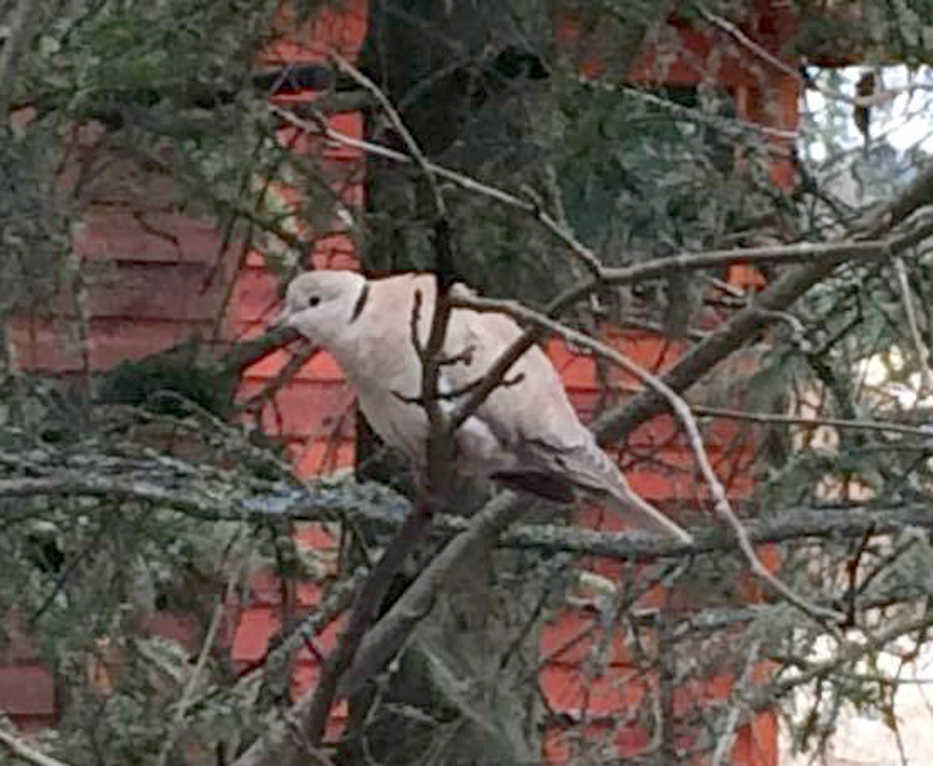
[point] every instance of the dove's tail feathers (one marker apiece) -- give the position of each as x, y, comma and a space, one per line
590, 469
624, 495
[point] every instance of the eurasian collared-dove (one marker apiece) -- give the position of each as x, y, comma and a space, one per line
525, 433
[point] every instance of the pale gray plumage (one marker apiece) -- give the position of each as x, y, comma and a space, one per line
527, 433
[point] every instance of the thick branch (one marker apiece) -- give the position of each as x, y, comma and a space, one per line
287, 742
19, 749
389, 634
215, 499
786, 525
314, 709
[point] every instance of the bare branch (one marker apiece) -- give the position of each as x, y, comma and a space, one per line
207, 646
727, 734
414, 150
19, 749
278, 746
792, 420
923, 353
801, 252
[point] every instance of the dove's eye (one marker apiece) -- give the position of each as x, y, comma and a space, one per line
314, 300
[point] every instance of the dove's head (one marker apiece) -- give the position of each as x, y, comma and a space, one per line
320, 304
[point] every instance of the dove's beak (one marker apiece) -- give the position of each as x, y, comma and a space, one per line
280, 319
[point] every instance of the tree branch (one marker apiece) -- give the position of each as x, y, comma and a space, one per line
614, 426
793, 420
211, 496
388, 635
279, 746
806, 252
787, 524
312, 712
19, 749
923, 353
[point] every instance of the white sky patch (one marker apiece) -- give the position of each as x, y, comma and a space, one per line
910, 115
875, 373
903, 123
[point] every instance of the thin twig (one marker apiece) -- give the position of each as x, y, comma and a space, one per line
496, 373
745, 40
728, 125
420, 160
187, 695
321, 127
562, 232
338, 599
793, 420
439, 447
923, 353
430, 354
727, 734
877, 98
282, 378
